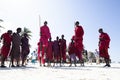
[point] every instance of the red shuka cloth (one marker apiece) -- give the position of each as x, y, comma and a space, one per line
6, 44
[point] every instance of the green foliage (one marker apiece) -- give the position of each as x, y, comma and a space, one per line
27, 31
0, 25
1, 20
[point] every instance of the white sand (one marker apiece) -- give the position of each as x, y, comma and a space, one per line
89, 72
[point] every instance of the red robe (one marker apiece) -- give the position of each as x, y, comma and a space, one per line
78, 38
63, 49
49, 53
6, 44
56, 49
104, 41
38, 51
44, 36
71, 48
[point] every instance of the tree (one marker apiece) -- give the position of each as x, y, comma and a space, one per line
0, 25
26, 30
1, 20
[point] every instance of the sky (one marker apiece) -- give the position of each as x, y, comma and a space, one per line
61, 16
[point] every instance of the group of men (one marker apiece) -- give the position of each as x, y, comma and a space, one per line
50, 50
56, 50
46, 48
14, 46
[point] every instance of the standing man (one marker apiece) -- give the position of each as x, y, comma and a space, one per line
44, 36
63, 49
49, 54
16, 44
25, 48
78, 38
71, 51
6, 37
104, 41
56, 50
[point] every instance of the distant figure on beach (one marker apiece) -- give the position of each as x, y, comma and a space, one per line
7, 39
90, 57
33, 57
44, 36
104, 41
97, 56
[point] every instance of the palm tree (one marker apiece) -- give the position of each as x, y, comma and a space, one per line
0, 25
1, 20
26, 30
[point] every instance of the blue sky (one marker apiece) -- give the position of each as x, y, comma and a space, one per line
61, 15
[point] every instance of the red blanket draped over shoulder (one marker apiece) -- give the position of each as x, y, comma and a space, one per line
79, 32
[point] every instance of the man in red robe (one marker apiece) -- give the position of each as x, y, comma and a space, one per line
6, 37
44, 36
56, 50
104, 41
63, 49
78, 38
71, 51
49, 53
